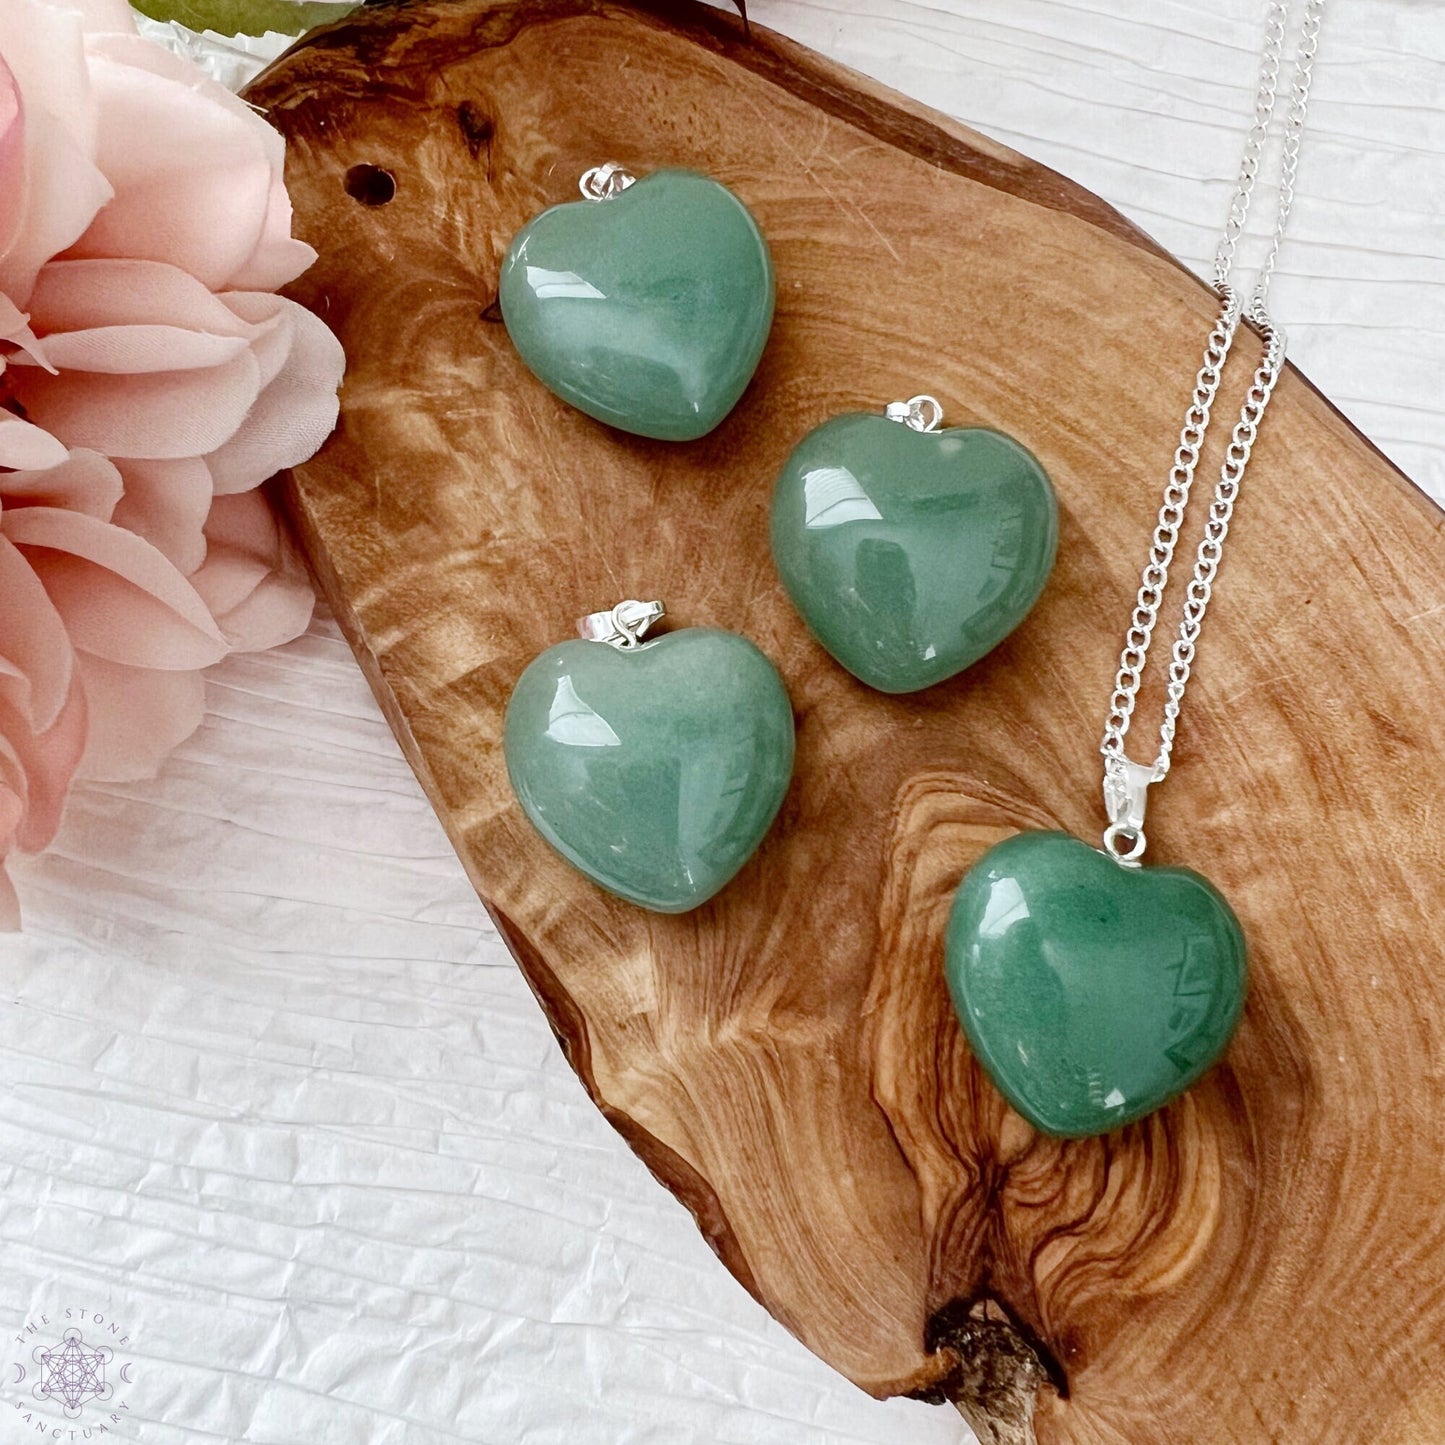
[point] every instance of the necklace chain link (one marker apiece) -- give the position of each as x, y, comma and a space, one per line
1125, 782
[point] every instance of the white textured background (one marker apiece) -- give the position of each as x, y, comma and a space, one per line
274, 1096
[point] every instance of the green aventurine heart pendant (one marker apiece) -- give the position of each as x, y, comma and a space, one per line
912, 552
654, 768
646, 306
1091, 992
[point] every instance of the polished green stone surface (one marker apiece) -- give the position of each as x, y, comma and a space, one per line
911, 554
656, 771
648, 311
1091, 993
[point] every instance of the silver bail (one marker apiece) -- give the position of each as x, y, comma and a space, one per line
1126, 794
621, 626
603, 182
918, 413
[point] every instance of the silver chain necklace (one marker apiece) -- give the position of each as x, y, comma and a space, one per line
1092, 990
1126, 782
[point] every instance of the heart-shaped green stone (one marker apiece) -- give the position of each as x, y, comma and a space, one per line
648, 311
655, 770
1090, 992
911, 554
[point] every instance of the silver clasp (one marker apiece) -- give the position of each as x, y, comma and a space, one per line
621, 626
1126, 794
919, 413
603, 182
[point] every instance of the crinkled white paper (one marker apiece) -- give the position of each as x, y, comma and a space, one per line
232, 60
273, 1099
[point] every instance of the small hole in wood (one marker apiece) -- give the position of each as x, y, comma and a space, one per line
371, 185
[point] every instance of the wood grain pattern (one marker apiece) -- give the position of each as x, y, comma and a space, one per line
1264, 1261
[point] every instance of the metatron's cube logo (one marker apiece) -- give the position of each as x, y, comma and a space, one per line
71, 1373
79, 1366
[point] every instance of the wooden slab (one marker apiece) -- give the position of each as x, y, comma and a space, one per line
1263, 1262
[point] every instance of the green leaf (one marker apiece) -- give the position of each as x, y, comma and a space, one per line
247, 17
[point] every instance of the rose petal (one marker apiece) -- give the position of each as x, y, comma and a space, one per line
24, 446
269, 321
253, 578
9, 904
43, 44
76, 295
295, 414
105, 16
63, 189
134, 50
33, 641
125, 350
12, 780
13, 321
13, 790
155, 414
278, 257
15, 327
202, 206
119, 596
12, 156
48, 761
12, 813
166, 502
199, 221
138, 716
274, 257
82, 482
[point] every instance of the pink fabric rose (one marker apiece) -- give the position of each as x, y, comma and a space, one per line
149, 382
